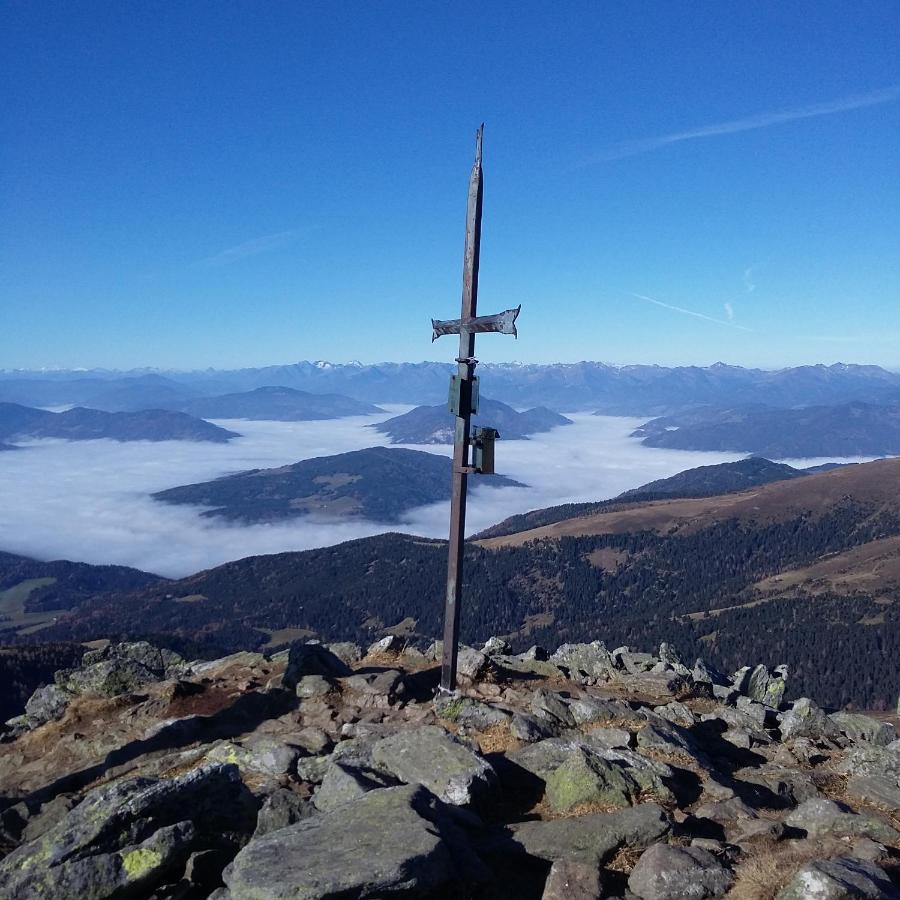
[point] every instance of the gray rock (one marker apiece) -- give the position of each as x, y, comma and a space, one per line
280, 809
312, 768
805, 719
107, 678
843, 878
595, 838
388, 685
869, 759
159, 661
586, 778
670, 658
664, 736
864, 729
403, 842
725, 811
346, 651
530, 729
585, 663
551, 707
496, 646
592, 710
676, 713
342, 783
312, 659
470, 713
820, 817
704, 674
573, 880
126, 837
661, 685
536, 653
544, 757
313, 740
609, 737
428, 755
309, 686
472, 664
390, 644
665, 872
878, 789
46, 704
754, 711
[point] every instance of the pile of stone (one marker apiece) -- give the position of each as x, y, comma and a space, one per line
326, 771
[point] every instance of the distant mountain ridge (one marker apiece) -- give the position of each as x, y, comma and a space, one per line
80, 424
434, 424
852, 429
279, 404
640, 390
378, 483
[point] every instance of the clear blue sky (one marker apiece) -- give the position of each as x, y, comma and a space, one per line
222, 184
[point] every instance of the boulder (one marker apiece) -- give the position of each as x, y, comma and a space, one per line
428, 755
677, 713
496, 646
551, 708
669, 658
470, 713
591, 710
806, 719
878, 789
573, 880
594, 838
839, 879
864, 729
46, 704
530, 729
310, 686
126, 837
387, 686
159, 661
870, 759
398, 840
346, 651
261, 755
585, 663
665, 872
819, 817
585, 778
107, 678
312, 659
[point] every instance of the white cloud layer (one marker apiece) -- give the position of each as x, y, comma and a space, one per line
89, 501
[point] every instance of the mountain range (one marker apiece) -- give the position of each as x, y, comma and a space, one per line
639, 390
378, 483
434, 424
20, 423
803, 571
851, 429
279, 404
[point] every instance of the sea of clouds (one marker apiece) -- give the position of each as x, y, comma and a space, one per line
90, 500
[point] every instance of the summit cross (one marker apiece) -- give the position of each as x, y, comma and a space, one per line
463, 403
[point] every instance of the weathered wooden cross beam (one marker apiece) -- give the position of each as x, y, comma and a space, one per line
463, 403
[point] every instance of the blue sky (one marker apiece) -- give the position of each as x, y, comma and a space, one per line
226, 184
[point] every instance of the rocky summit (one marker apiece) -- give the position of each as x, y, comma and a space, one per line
329, 771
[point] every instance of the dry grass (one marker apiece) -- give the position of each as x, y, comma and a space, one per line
624, 860
497, 739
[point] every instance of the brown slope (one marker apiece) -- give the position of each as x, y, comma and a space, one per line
875, 484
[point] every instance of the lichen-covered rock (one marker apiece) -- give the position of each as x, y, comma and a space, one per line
107, 678
46, 704
160, 661
864, 729
870, 759
403, 842
428, 755
593, 838
585, 778
261, 755
806, 719
128, 836
843, 878
595, 710
496, 646
818, 817
471, 664
471, 713
665, 872
585, 663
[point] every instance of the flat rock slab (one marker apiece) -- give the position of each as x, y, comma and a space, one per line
839, 879
819, 817
594, 838
430, 756
391, 841
665, 872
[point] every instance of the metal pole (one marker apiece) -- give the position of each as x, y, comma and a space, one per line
466, 366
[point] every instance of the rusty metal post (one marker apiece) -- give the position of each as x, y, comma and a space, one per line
466, 366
